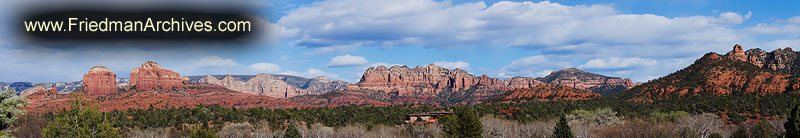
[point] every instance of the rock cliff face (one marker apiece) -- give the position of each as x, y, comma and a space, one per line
279, 86
431, 80
750, 72
784, 60
99, 81
582, 80
436, 85
152, 76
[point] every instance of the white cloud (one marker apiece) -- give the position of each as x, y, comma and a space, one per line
347, 60
214, 61
544, 72
311, 73
533, 66
526, 24
453, 65
617, 63
788, 26
527, 61
733, 18
334, 49
265, 67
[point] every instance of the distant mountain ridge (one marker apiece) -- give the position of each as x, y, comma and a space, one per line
583, 80
26, 88
279, 86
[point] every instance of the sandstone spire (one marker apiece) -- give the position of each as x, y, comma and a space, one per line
737, 53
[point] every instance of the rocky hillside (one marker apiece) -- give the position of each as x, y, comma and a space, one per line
433, 85
737, 72
190, 95
280, 86
583, 80
544, 93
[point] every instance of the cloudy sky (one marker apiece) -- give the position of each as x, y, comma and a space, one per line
338, 39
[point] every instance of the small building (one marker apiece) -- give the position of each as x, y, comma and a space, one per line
428, 117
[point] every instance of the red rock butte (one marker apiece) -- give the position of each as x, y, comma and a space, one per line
99, 81
152, 76
432, 79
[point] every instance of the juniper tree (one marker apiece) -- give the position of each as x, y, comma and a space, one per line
80, 121
9, 107
562, 129
292, 132
463, 123
792, 124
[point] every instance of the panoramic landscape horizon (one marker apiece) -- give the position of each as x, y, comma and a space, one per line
400, 69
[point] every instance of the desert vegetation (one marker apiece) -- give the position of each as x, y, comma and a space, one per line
605, 117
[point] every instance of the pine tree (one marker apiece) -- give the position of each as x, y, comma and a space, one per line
203, 133
80, 121
292, 132
464, 123
9, 110
792, 124
562, 129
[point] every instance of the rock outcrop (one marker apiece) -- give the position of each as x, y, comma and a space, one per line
436, 85
152, 76
583, 80
431, 80
278, 86
758, 73
99, 81
261, 84
779, 59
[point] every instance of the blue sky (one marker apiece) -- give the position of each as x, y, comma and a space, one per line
338, 39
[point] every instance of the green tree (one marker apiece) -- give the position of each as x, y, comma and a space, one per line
79, 121
562, 129
792, 124
464, 123
292, 132
8, 108
203, 133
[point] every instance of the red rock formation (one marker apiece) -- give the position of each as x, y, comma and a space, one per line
546, 93
778, 59
192, 95
431, 80
152, 76
737, 53
725, 75
99, 81
582, 80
